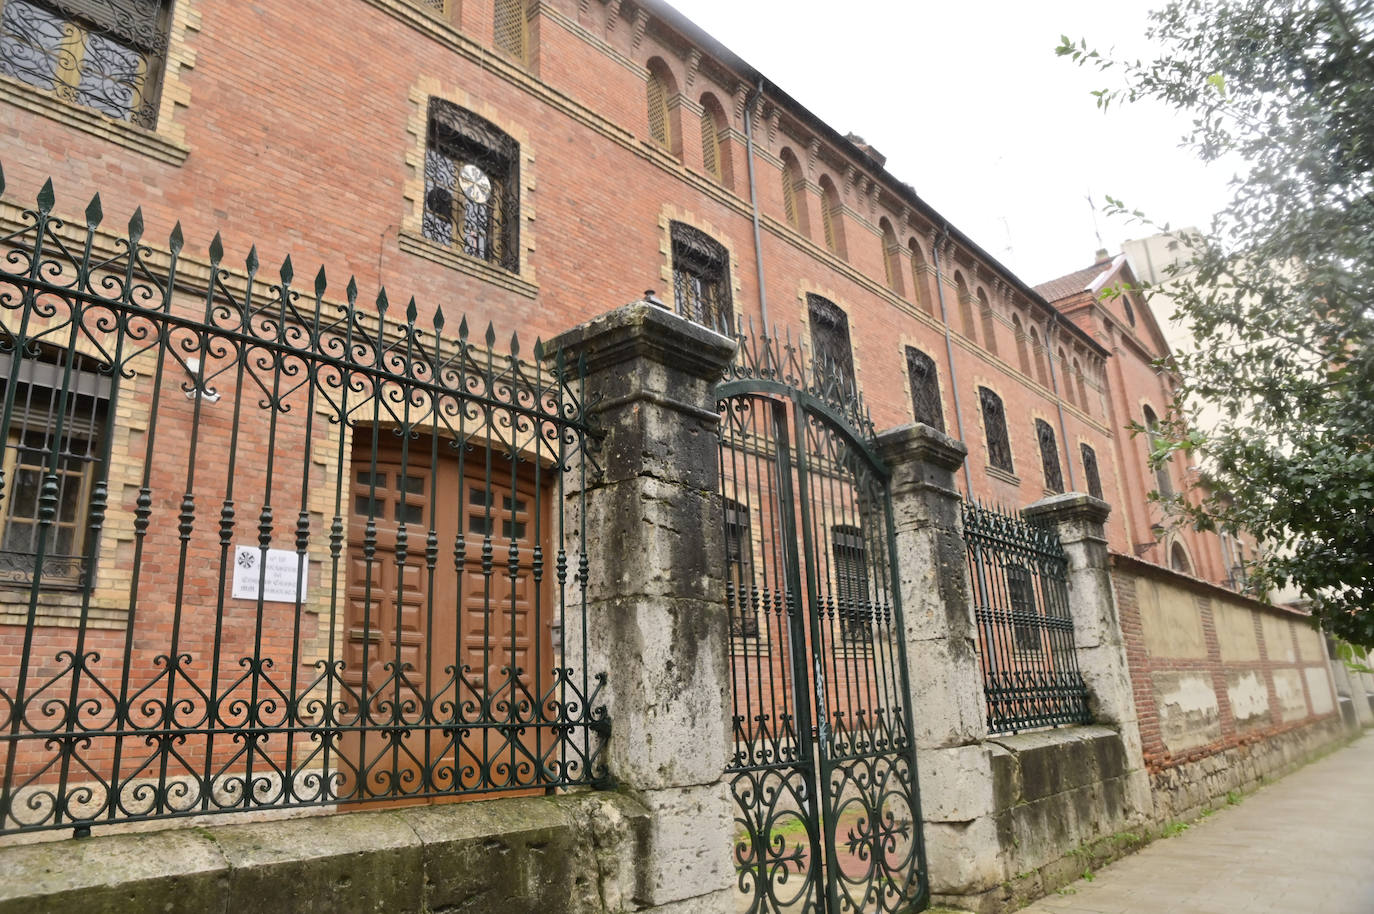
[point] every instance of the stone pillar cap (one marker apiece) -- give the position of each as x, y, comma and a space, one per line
641, 329
1069, 506
915, 441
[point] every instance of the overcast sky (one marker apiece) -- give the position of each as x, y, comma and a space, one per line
972, 108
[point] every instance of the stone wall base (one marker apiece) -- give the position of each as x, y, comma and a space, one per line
1183, 792
576, 854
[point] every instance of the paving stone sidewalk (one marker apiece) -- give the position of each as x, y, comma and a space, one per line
1302, 845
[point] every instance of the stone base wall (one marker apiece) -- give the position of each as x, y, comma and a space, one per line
1007, 821
1184, 791
576, 854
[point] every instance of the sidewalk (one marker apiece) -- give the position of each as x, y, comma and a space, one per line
1302, 845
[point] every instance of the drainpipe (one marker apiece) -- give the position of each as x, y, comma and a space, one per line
949, 349
754, 198
1059, 400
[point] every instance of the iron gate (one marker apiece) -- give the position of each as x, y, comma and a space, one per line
824, 768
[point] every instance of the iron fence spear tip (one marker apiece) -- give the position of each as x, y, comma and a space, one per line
463, 328
439, 319
411, 311
136, 225
175, 240
351, 290
287, 272
491, 335
251, 261
514, 345
382, 303
93, 212
46, 197
216, 249
320, 283
2, 178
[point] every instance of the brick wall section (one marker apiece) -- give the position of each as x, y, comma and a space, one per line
1130, 576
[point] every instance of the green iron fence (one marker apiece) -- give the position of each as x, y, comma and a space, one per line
1020, 595
264, 549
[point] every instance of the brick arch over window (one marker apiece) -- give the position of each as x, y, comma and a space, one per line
1049, 456
661, 98
995, 427
965, 306
1178, 559
794, 192
925, 389
892, 256
920, 290
1022, 356
715, 149
1039, 351
832, 217
989, 322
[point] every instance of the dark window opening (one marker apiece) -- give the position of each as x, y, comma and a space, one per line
1049, 456
925, 389
995, 423
830, 346
701, 278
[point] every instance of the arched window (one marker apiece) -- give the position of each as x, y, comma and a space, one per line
965, 305
1022, 356
989, 333
661, 90
1039, 352
1090, 472
701, 278
509, 28
1082, 389
832, 217
920, 293
715, 153
1130, 312
472, 186
1049, 456
1178, 559
892, 256
793, 192
995, 425
1163, 482
1065, 382
830, 346
925, 389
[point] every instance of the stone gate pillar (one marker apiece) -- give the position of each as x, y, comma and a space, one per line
656, 616
1101, 648
959, 773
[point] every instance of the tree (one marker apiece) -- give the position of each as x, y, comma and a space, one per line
1280, 292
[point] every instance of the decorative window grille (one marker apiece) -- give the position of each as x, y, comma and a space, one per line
1162, 480
830, 346
1090, 471
852, 601
739, 571
509, 22
54, 436
1049, 456
710, 143
701, 278
995, 423
659, 124
106, 55
472, 186
925, 389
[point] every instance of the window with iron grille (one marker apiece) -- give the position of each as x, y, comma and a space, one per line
1049, 456
995, 424
701, 278
660, 124
1021, 596
472, 186
830, 345
851, 582
1163, 482
739, 571
1090, 471
106, 55
925, 388
53, 441
509, 27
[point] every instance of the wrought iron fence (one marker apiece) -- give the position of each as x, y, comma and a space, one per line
1025, 630
263, 549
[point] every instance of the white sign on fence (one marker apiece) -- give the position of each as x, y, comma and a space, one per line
277, 575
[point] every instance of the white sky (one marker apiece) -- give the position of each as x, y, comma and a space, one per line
972, 108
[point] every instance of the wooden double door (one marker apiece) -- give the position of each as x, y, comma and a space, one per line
447, 643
